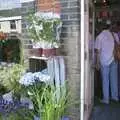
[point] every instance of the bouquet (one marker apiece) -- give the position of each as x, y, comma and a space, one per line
44, 30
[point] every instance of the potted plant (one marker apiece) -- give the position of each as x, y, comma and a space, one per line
45, 32
9, 78
48, 105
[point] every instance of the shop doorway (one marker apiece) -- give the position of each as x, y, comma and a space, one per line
87, 52
106, 12
96, 13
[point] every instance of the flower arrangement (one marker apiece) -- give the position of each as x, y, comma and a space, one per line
14, 110
30, 78
44, 95
10, 76
37, 88
46, 104
44, 30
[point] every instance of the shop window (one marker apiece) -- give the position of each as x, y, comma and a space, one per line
12, 24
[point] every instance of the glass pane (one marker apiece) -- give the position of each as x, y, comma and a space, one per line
10, 29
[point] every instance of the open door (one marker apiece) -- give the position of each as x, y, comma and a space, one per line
87, 85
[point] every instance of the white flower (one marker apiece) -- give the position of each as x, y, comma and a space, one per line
47, 15
25, 100
55, 45
41, 27
27, 79
37, 45
36, 118
38, 28
42, 77
29, 93
34, 22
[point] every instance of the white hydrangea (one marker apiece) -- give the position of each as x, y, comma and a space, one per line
36, 118
42, 77
29, 78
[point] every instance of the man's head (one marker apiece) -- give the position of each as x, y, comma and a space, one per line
114, 27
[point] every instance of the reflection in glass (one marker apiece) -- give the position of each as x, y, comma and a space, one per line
9, 4
10, 26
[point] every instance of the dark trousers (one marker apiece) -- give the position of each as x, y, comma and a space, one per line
97, 84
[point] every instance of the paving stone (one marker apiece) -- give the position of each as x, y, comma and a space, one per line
106, 112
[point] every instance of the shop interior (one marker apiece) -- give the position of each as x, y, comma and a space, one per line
106, 11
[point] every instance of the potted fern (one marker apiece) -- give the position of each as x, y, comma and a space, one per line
45, 32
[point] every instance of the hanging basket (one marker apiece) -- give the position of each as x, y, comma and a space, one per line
36, 52
49, 52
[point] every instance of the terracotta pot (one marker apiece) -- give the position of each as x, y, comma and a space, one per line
36, 52
49, 52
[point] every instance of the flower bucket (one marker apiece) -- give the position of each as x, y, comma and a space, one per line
63, 118
49, 52
36, 52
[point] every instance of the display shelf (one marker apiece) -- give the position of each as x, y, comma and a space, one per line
38, 58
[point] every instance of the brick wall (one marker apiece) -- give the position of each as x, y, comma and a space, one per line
48, 5
70, 14
27, 8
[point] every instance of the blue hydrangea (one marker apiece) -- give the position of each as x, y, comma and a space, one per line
31, 78
8, 107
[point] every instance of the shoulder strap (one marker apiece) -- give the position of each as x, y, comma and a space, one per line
118, 35
114, 38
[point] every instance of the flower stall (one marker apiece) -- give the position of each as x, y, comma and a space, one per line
33, 93
42, 94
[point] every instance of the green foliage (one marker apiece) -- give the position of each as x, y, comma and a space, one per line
21, 114
50, 107
21, 53
9, 77
42, 29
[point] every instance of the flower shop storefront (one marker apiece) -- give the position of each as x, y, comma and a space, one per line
49, 80
37, 91
37, 94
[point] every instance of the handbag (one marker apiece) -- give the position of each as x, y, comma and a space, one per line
116, 51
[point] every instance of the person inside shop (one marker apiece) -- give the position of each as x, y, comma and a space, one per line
118, 25
105, 61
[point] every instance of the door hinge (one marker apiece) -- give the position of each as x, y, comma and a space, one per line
87, 107
85, 55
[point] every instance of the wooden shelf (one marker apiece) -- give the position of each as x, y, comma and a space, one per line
38, 58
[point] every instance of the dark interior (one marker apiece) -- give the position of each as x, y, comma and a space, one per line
10, 51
